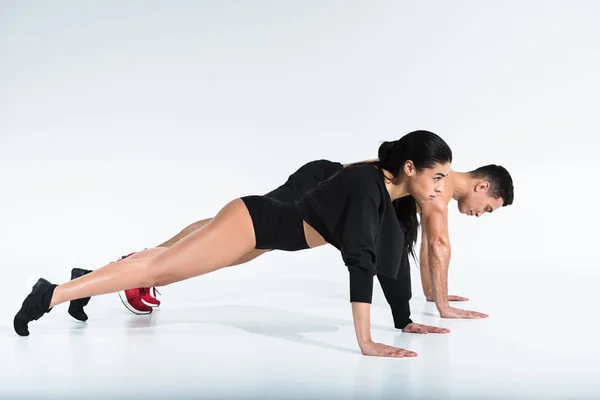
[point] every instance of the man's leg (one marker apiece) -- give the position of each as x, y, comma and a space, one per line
186, 231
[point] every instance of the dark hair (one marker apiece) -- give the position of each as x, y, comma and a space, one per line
501, 183
424, 149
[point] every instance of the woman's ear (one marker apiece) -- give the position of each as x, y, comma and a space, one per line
409, 168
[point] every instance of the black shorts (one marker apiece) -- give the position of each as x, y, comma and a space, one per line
277, 224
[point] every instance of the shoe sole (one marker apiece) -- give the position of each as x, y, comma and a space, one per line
128, 306
150, 304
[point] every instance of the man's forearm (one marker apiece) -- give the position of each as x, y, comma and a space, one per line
439, 260
425, 272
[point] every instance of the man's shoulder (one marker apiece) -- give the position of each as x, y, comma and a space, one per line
437, 206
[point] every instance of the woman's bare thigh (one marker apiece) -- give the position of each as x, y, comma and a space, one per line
313, 238
250, 256
228, 237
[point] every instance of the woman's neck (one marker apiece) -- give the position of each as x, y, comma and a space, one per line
396, 188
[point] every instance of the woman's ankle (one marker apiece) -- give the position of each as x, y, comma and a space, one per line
56, 297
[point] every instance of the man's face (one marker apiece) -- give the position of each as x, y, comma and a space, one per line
478, 201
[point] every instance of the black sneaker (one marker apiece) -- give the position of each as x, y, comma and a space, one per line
76, 306
35, 305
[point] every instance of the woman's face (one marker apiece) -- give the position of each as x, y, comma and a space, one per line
428, 183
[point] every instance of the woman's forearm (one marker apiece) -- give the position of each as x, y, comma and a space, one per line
361, 313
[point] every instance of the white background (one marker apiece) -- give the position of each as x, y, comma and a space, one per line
122, 122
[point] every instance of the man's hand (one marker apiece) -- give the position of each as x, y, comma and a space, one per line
423, 329
450, 298
452, 312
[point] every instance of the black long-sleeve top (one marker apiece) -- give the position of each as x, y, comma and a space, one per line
353, 211
398, 292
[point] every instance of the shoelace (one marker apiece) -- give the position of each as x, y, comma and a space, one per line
148, 290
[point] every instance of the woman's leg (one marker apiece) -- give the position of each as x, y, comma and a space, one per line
147, 253
196, 226
228, 237
249, 256
76, 308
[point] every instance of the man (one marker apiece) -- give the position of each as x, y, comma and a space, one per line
477, 192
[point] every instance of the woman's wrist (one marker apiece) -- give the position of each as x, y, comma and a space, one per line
362, 322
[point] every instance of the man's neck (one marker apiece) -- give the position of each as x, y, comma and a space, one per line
461, 182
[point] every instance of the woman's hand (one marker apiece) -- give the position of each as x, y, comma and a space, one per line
362, 324
383, 350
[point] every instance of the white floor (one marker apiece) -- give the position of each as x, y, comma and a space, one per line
278, 330
122, 122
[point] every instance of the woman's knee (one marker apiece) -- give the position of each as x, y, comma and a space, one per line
156, 275
159, 279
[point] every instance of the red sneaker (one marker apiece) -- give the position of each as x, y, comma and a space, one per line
132, 300
149, 297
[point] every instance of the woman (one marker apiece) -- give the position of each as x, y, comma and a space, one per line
352, 210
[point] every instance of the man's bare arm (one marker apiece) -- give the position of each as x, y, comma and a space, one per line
359, 162
424, 267
435, 232
437, 249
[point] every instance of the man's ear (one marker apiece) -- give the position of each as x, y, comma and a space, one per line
482, 186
